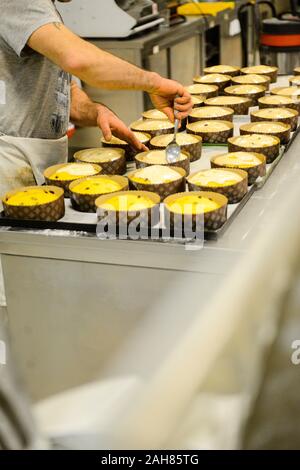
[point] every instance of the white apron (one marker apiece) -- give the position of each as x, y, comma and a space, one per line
22, 163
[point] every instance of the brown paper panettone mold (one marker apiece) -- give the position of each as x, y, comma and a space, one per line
206, 113
163, 189
239, 104
110, 164
147, 217
211, 136
212, 219
217, 79
65, 183
86, 202
152, 126
194, 149
278, 101
234, 192
271, 151
271, 114
184, 163
245, 91
254, 171
130, 152
50, 211
223, 69
206, 91
283, 134
257, 70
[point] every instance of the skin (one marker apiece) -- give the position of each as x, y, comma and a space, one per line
100, 69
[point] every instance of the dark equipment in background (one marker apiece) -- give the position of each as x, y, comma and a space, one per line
276, 38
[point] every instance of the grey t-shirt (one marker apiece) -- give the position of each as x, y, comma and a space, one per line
34, 92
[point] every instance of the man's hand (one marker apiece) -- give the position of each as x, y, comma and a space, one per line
168, 95
111, 125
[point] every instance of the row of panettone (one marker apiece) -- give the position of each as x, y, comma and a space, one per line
95, 179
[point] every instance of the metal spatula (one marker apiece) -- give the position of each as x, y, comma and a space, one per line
173, 149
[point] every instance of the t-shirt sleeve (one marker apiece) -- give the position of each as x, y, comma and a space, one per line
22, 18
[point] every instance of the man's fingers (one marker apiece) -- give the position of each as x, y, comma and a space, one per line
186, 98
182, 107
169, 112
106, 130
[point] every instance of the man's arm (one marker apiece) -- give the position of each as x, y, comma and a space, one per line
100, 69
86, 113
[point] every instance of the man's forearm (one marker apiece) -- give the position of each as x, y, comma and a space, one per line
94, 66
84, 112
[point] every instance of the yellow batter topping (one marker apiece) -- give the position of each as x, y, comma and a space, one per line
128, 202
72, 171
181, 139
225, 100
244, 89
32, 197
215, 178
212, 78
255, 140
265, 127
275, 113
152, 125
276, 99
259, 69
155, 174
115, 141
251, 78
155, 114
209, 126
200, 89
157, 157
99, 155
286, 91
97, 185
221, 69
192, 205
241, 159
210, 112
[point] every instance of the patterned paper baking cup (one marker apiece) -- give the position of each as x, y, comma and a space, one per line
148, 217
238, 90
206, 91
212, 137
152, 127
271, 152
65, 183
270, 73
234, 192
284, 135
241, 108
163, 189
130, 152
154, 114
224, 70
111, 166
291, 120
292, 92
184, 163
50, 211
212, 219
198, 101
225, 81
86, 202
244, 80
294, 81
205, 113
193, 149
263, 103
254, 172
